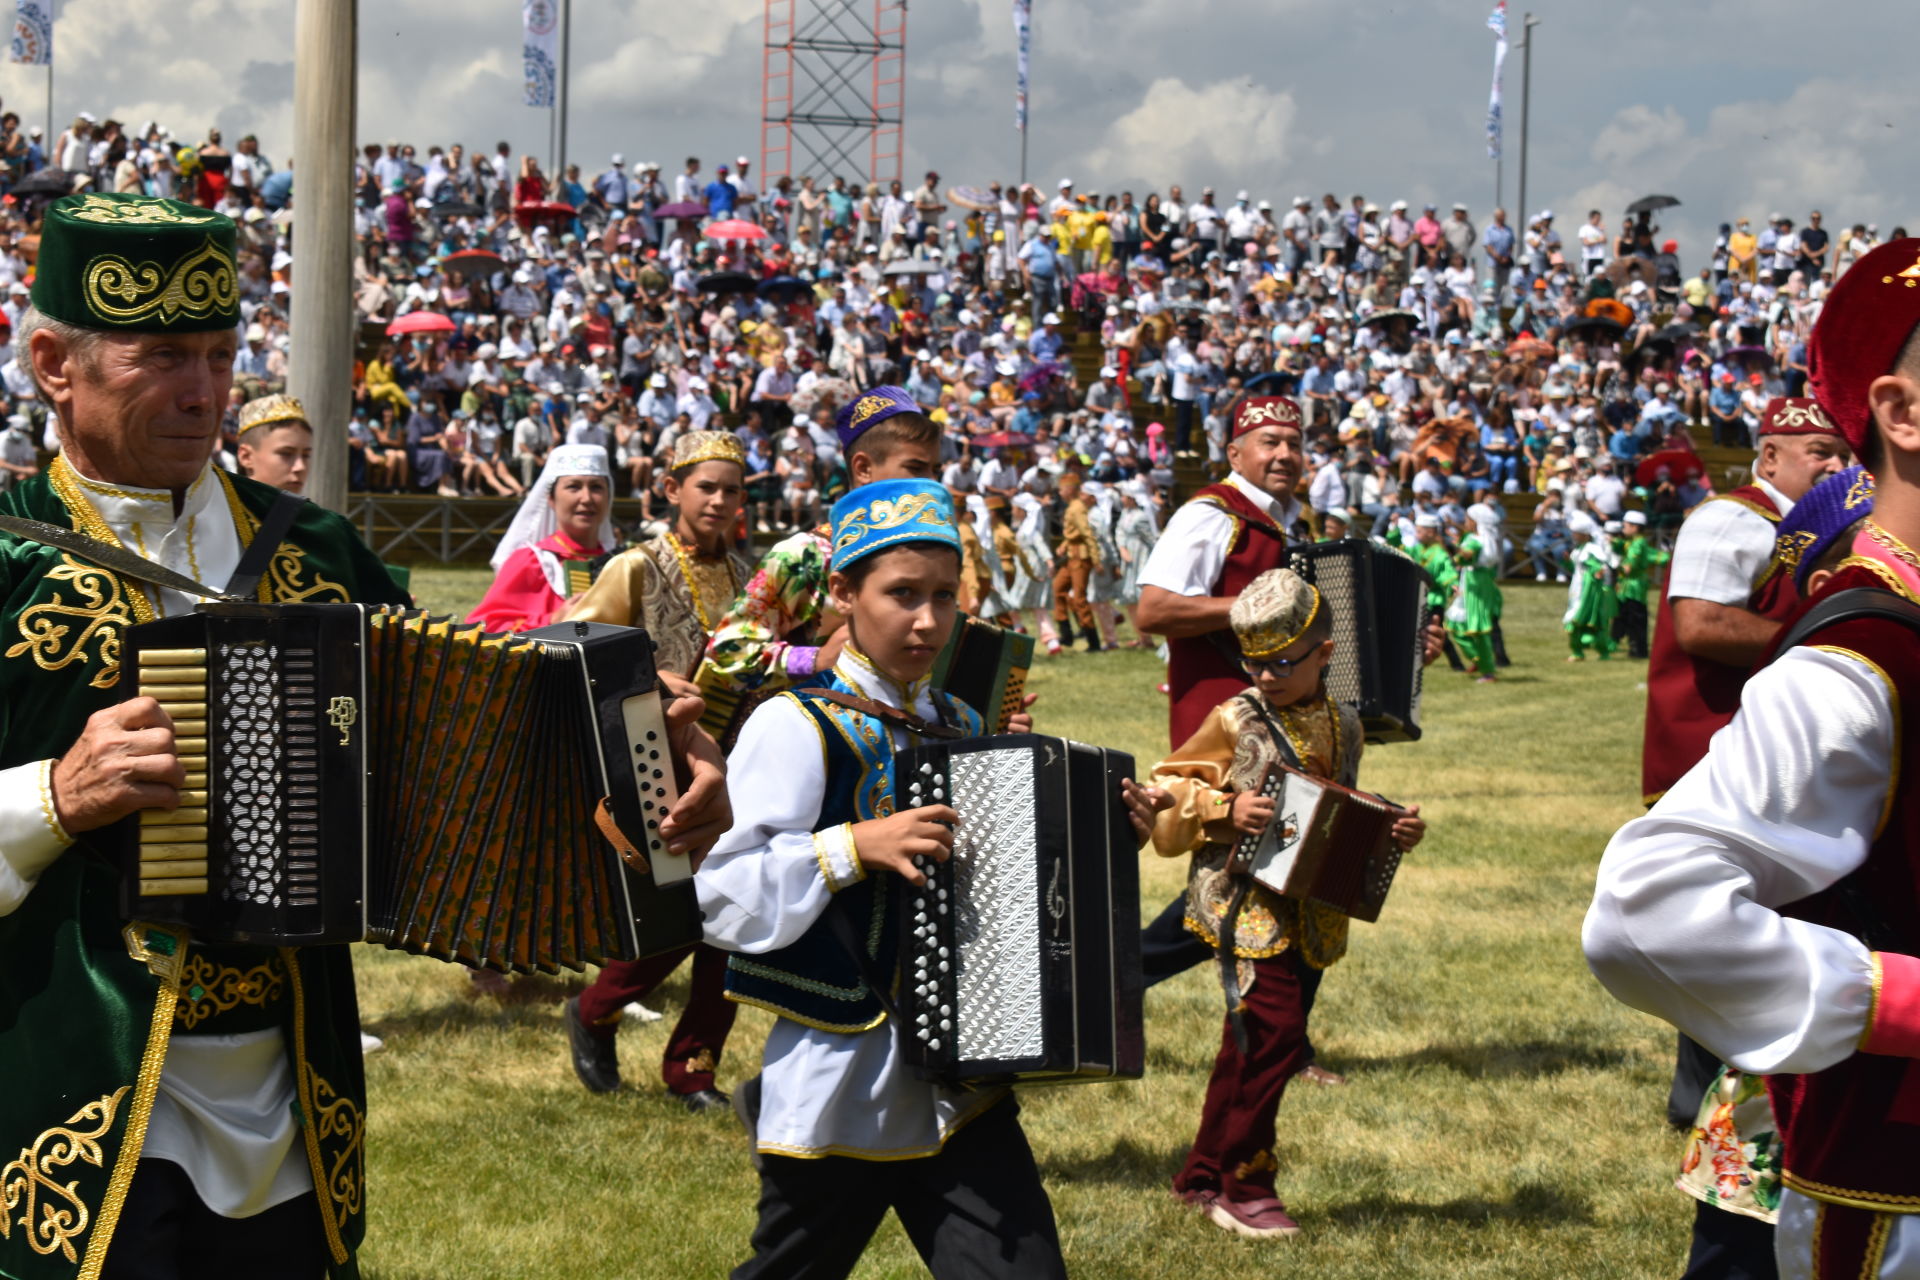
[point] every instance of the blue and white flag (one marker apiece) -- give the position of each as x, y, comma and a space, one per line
1497, 21
541, 22
33, 32
1023, 39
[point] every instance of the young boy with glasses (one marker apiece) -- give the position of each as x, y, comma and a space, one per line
1277, 946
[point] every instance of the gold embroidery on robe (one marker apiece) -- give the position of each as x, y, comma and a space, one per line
52, 1213
207, 988
84, 628
337, 1117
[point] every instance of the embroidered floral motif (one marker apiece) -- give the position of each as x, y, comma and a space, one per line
885, 514
51, 1210
337, 1117
97, 208
202, 283
85, 628
207, 988
287, 584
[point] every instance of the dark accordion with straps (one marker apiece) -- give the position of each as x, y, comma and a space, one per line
377, 773
1379, 602
1020, 956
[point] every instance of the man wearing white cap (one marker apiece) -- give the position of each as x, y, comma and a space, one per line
19, 459
1242, 224
744, 194
1063, 201
613, 189
1296, 232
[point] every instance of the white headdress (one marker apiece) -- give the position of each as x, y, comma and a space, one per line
534, 523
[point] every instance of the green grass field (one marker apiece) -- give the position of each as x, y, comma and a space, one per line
1505, 1116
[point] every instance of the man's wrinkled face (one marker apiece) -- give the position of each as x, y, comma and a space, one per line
139, 409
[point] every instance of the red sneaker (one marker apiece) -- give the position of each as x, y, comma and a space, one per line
1263, 1219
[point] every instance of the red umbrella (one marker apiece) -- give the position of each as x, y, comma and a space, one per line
1681, 464
553, 211
735, 229
420, 322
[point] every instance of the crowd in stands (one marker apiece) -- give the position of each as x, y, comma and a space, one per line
1441, 358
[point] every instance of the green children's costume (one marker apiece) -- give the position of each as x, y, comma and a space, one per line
1591, 603
1476, 603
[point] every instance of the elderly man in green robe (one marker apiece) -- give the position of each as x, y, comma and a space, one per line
171, 1109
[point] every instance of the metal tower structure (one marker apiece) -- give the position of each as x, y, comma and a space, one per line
833, 89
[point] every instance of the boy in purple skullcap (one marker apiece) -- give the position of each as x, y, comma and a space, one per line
870, 409
1820, 527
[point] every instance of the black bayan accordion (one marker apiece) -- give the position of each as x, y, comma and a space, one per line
1326, 842
986, 667
376, 773
1379, 602
1020, 956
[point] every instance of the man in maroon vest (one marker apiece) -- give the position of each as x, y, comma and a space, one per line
1725, 597
1769, 904
1222, 538
1725, 593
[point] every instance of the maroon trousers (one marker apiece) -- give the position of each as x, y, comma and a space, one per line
699, 1038
1233, 1152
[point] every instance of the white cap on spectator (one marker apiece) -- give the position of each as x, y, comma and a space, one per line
256, 333
874, 248
1397, 205
1583, 452
522, 277
1067, 182
486, 351
1458, 207
1006, 368
1112, 310
742, 160
1266, 205
1108, 371
280, 286
282, 260
585, 397
34, 132
1634, 518
1052, 317
423, 203
697, 382
619, 159
1242, 194
1301, 201
966, 316
923, 354
88, 116
253, 215
657, 380
1426, 520
18, 287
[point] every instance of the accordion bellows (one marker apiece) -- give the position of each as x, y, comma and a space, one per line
1379, 602
380, 774
1020, 956
1326, 842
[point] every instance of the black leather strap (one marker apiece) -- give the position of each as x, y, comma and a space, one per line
273, 531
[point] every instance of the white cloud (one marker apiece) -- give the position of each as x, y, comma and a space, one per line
1236, 127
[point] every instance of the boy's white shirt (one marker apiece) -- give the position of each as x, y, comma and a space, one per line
763, 886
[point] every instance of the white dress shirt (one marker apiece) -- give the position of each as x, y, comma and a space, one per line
1723, 548
224, 1110
762, 887
1193, 548
1685, 920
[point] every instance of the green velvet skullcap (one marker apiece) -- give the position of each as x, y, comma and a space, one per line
131, 262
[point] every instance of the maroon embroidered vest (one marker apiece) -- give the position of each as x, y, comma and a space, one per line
1849, 1131
1204, 671
1690, 699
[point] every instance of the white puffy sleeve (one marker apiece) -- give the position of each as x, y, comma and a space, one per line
770, 877
1191, 552
1685, 920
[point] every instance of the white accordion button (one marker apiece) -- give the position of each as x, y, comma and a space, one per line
933, 1044
927, 767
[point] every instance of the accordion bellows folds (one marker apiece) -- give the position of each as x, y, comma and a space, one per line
1326, 842
1020, 956
986, 667
1379, 602
375, 773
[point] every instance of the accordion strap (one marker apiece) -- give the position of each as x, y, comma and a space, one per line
629, 851
274, 528
1224, 941
889, 715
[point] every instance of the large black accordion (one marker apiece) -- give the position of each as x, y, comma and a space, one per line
1020, 956
1379, 602
376, 773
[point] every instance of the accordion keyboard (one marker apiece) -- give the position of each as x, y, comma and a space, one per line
173, 843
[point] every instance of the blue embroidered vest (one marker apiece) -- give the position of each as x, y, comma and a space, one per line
815, 981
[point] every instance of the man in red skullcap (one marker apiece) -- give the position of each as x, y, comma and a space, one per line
1221, 539
1769, 904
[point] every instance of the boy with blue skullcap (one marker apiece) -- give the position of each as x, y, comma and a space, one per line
843, 1131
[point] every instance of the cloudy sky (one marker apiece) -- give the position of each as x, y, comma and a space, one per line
1734, 106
